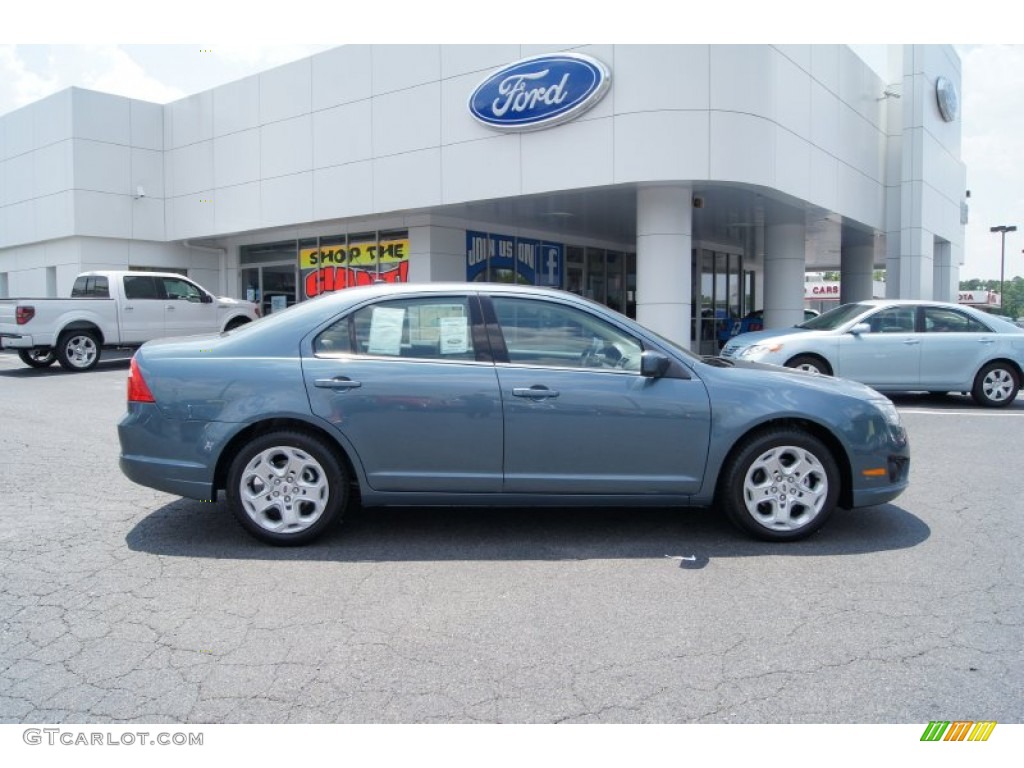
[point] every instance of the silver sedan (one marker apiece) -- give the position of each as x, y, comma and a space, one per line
900, 346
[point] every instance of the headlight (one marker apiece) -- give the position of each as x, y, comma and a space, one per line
892, 416
755, 350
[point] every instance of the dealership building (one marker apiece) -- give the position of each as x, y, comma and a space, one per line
680, 184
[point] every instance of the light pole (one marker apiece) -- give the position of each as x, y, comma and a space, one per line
1002, 229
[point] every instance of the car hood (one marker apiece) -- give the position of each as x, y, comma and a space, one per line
755, 337
801, 378
225, 301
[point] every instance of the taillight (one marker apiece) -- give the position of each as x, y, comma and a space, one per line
23, 314
138, 391
257, 311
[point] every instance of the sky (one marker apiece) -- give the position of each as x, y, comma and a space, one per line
66, 43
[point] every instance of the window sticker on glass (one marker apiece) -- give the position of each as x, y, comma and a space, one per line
425, 321
386, 331
454, 335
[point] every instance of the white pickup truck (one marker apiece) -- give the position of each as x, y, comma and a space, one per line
114, 309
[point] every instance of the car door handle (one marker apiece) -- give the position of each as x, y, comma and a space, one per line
338, 382
986, 341
911, 341
170, 307
129, 309
536, 392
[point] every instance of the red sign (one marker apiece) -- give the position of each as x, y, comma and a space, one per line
327, 279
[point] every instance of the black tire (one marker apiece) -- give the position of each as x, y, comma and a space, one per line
811, 363
38, 358
238, 321
78, 351
284, 475
780, 485
996, 385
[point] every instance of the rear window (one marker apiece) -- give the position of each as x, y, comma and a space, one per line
91, 287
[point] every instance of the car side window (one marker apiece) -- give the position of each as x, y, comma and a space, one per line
140, 287
176, 288
943, 320
893, 320
432, 328
558, 336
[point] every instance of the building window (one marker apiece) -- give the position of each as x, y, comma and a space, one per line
343, 261
279, 274
608, 277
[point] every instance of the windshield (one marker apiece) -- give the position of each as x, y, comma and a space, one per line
835, 317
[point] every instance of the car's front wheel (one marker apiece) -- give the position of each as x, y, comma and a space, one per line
287, 487
38, 358
780, 485
996, 385
810, 363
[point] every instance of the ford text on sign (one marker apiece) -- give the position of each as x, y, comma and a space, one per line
540, 91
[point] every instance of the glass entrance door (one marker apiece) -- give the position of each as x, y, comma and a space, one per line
722, 294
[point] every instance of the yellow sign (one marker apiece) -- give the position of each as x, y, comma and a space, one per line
363, 254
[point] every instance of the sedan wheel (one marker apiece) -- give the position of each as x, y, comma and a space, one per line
287, 488
780, 485
996, 385
78, 351
38, 358
810, 363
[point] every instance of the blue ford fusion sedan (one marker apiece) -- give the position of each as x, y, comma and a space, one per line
485, 395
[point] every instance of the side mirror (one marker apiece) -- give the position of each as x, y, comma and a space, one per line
653, 365
206, 298
860, 328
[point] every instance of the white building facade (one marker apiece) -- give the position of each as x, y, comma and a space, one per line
697, 183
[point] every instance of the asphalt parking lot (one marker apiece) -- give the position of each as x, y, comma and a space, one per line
122, 604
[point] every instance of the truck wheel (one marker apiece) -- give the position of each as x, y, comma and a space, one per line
78, 350
38, 358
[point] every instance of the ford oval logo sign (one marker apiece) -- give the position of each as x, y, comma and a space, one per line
540, 92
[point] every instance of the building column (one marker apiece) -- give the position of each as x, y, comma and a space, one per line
857, 267
916, 263
437, 254
784, 267
664, 245
945, 277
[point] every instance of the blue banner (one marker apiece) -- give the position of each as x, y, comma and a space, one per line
508, 259
551, 264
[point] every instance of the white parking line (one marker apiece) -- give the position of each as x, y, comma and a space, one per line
1000, 414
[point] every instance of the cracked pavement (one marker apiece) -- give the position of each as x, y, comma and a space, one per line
125, 605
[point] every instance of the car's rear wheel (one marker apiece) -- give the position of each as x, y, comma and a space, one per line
780, 485
287, 487
996, 385
810, 363
78, 350
38, 358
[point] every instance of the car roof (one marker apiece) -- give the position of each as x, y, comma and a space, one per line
907, 302
362, 292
